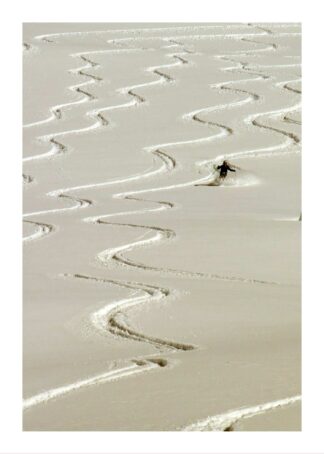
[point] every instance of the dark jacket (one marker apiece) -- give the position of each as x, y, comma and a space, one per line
224, 168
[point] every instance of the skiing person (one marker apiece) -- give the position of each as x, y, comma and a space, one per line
223, 169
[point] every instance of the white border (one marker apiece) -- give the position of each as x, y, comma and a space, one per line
12, 439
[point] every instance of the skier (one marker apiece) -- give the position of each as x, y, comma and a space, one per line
223, 169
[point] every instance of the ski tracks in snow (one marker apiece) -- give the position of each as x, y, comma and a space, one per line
110, 318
